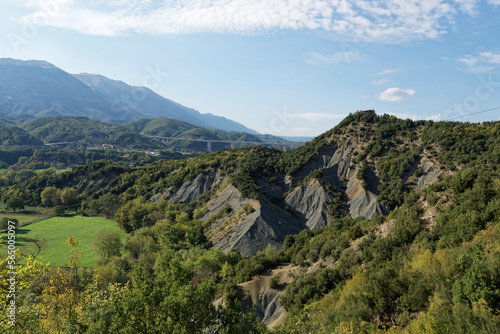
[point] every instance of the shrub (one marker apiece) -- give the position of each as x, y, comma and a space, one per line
274, 282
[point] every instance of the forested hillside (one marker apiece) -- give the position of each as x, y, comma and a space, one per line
165, 127
378, 225
73, 141
86, 131
12, 135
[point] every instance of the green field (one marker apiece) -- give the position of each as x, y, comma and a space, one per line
56, 230
28, 215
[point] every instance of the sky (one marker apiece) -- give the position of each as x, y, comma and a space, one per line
284, 67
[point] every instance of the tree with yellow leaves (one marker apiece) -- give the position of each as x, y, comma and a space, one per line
61, 297
16, 280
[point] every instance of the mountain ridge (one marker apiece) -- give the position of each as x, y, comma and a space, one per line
364, 167
37, 88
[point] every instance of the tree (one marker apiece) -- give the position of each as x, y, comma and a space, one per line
15, 203
107, 242
4, 222
51, 196
37, 245
26, 314
109, 204
169, 305
274, 283
69, 196
58, 210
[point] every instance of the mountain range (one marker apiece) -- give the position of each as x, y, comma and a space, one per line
34, 88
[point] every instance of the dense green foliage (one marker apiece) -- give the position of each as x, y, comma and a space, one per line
457, 144
84, 130
18, 157
452, 265
11, 135
430, 266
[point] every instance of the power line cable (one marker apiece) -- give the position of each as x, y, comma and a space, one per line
475, 113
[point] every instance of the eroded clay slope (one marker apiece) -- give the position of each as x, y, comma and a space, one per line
250, 225
310, 203
190, 190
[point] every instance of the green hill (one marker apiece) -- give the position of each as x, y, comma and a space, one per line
12, 135
86, 131
380, 225
164, 127
160, 126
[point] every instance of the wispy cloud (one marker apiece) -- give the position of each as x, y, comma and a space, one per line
405, 115
435, 118
468, 6
316, 117
334, 58
389, 71
395, 94
380, 82
491, 57
482, 62
390, 21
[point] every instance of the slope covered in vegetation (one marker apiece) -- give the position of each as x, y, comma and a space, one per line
12, 135
406, 223
85, 131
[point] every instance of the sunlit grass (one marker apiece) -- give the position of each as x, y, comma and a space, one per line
56, 231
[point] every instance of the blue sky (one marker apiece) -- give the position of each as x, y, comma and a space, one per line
290, 68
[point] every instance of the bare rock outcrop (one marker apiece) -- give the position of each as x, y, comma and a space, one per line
190, 190
310, 203
258, 294
339, 169
267, 225
251, 225
362, 202
431, 173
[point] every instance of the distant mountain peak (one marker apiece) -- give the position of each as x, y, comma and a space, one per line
36, 88
35, 63
93, 79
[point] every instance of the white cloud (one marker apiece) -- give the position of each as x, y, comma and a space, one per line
467, 6
380, 82
337, 57
435, 118
390, 21
491, 57
483, 62
395, 94
468, 60
316, 117
494, 2
406, 115
389, 71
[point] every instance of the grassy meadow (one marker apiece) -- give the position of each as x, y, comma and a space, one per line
56, 231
